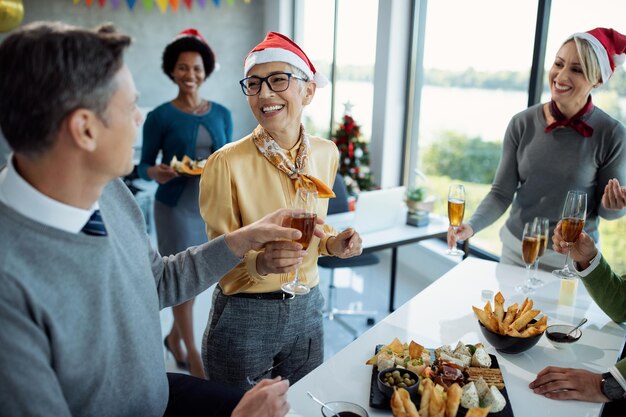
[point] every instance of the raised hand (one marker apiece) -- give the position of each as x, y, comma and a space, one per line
346, 244
614, 197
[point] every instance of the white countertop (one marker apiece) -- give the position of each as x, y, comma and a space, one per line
442, 314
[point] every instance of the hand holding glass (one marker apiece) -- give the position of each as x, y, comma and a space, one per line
530, 249
304, 219
572, 223
456, 211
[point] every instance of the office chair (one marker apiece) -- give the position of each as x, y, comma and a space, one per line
339, 204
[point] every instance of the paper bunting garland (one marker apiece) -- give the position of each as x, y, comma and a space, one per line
162, 5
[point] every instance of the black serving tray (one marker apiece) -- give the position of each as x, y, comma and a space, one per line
380, 401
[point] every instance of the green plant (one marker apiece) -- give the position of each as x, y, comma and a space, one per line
416, 194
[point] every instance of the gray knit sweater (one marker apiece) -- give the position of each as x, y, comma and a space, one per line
537, 169
80, 332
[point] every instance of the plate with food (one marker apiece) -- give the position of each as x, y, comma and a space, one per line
188, 166
465, 371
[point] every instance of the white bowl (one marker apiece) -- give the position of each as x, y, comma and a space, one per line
558, 335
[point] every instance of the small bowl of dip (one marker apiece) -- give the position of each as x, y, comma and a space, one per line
561, 335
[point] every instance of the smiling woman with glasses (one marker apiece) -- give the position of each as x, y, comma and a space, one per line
253, 323
278, 82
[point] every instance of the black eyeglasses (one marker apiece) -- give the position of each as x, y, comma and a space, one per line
259, 377
277, 82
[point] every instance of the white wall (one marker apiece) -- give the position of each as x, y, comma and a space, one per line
230, 30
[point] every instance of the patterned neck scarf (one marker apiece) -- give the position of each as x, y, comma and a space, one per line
295, 170
575, 122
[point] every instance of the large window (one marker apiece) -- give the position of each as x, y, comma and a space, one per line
476, 72
354, 52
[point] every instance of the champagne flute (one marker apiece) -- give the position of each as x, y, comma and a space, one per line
456, 210
572, 223
543, 230
304, 219
530, 250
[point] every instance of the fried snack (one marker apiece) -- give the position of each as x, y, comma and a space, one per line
498, 306
409, 407
511, 312
524, 319
484, 318
437, 405
426, 394
492, 376
487, 308
396, 403
477, 412
395, 346
515, 321
453, 400
415, 350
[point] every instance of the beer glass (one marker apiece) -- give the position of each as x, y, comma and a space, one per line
456, 211
572, 223
543, 230
530, 250
304, 219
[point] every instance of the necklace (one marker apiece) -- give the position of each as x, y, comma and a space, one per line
199, 108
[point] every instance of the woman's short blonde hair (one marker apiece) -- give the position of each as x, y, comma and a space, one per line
588, 61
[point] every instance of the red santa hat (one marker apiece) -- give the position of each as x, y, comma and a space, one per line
192, 33
279, 48
609, 47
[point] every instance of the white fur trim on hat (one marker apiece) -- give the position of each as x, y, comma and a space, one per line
282, 55
600, 51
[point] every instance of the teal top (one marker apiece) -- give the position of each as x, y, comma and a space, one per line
174, 133
609, 291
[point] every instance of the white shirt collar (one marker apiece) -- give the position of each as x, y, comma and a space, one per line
22, 197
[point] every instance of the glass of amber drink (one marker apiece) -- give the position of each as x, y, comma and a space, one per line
572, 223
456, 211
530, 249
303, 218
542, 225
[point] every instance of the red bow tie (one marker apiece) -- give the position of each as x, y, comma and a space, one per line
575, 122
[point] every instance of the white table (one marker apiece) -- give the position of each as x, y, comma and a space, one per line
442, 314
392, 238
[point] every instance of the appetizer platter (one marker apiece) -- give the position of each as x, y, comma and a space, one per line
453, 382
188, 166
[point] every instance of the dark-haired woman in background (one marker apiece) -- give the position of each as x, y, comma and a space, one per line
187, 125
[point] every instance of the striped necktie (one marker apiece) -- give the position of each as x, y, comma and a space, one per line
95, 225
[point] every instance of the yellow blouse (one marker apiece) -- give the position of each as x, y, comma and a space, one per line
239, 186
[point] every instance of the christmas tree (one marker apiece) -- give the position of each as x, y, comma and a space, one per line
354, 157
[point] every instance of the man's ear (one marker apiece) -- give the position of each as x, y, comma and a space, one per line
309, 92
83, 127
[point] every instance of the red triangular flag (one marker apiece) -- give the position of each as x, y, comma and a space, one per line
188, 3
102, 3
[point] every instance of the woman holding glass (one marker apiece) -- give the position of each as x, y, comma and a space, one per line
551, 148
253, 323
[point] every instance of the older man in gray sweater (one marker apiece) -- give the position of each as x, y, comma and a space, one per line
81, 285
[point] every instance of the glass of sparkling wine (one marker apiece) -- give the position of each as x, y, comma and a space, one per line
572, 223
530, 249
456, 211
304, 219
542, 225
